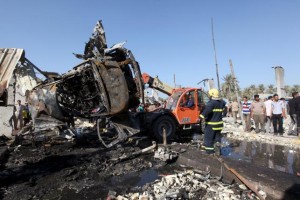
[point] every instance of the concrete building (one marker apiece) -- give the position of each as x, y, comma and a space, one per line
279, 77
17, 78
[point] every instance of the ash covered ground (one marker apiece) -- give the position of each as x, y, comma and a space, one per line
83, 169
66, 168
70, 170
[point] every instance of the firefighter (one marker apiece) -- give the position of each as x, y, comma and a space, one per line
212, 114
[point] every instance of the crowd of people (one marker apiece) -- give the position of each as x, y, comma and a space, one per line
268, 114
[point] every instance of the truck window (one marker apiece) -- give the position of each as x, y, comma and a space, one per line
202, 97
185, 98
172, 101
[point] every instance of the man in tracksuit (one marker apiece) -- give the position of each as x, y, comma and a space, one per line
212, 114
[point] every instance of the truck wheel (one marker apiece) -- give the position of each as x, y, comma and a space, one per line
165, 122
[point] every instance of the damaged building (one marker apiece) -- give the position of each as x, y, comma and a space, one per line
17, 78
103, 88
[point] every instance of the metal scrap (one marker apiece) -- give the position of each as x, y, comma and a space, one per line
103, 88
134, 154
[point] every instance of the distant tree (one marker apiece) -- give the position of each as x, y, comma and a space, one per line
271, 89
296, 88
261, 88
228, 86
288, 90
253, 90
247, 92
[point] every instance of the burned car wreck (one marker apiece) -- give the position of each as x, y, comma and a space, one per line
104, 87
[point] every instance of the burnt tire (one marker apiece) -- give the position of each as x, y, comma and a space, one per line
164, 122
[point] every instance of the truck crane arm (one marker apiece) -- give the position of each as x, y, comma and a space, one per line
157, 84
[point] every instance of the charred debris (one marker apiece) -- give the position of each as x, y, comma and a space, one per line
102, 89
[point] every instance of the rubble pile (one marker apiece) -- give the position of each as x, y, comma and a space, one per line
188, 184
165, 154
56, 171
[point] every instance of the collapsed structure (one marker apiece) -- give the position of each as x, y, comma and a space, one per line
103, 87
17, 78
106, 83
106, 87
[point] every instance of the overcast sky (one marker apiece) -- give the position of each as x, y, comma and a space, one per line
167, 37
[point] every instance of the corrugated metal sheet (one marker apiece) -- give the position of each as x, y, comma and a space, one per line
9, 58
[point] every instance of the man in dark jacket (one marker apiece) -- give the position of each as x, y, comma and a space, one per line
190, 102
293, 115
212, 114
297, 111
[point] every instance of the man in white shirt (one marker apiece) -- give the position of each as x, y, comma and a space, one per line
278, 113
269, 125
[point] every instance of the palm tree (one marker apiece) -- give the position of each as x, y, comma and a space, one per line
225, 87
253, 90
296, 88
228, 86
261, 88
271, 89
247, 92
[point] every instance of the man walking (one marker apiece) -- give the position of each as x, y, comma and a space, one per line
246, 114
278, 112
269, 124
293, 115
19, 117
235, 109
258, 113
212, 114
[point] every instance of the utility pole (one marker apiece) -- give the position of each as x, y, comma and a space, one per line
174, 79
213, 39
235, 86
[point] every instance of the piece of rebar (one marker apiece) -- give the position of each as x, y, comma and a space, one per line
164, 136
242, 179
153, 146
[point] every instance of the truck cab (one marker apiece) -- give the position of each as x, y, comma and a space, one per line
187, 115
176, 114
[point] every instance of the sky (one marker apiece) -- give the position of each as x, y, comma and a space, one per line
167, 37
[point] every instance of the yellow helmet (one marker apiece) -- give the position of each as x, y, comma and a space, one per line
213, 93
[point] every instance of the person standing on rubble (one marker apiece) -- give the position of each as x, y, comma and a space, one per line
293, 115
246, 114
258, 113
278, 112
229, 109
234, 109
269, 125
26, 114
212, 114
19, 116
